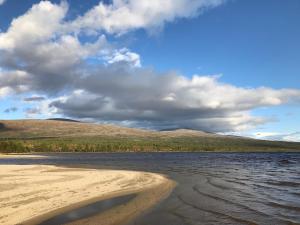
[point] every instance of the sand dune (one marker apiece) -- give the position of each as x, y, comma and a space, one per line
32, 193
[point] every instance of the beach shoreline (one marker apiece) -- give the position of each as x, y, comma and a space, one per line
20, 155
31, 194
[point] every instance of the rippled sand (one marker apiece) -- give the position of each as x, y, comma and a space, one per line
32, 193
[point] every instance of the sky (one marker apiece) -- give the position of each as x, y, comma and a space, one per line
225, 66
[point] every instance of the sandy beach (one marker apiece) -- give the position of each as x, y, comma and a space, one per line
30, 194
20, 155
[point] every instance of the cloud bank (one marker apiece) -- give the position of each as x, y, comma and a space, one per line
294, 137
95, 80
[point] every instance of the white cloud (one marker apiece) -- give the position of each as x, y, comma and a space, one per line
43, 55
124, 15
124, 56
41, 109
275, 136
38, 24
146, 98
36, 45
15, 81
292, 137
2, 1
263, 135
5, 91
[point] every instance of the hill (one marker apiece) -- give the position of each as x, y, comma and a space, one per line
71, 128
61, 128
64, 119
60, 135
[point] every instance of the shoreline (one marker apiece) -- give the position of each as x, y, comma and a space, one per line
21, 155
45, 154
36, 193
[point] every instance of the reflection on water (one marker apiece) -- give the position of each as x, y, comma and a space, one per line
213, 188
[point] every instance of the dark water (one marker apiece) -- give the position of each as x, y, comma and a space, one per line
213, 188
88, 210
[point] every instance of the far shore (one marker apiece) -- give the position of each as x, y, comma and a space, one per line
31, 194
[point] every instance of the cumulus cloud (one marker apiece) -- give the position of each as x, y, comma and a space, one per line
13, 81
35, 47
124, 15
148, 99
2, 1
49, 56
93, 79
40, 109
31, 28
5, 91
124, 56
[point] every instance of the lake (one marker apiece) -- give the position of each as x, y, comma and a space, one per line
213, 188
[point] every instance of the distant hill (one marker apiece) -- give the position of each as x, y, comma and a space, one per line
58, 127
63, 119
64, 135
63, 128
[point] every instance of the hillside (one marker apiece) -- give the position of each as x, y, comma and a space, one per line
63, 135
59, 128
66, 128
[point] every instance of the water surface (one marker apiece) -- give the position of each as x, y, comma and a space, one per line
88, 210
213, 188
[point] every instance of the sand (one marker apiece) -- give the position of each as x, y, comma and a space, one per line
30, 194
20, 155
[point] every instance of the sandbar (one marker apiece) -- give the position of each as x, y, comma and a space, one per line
30, 194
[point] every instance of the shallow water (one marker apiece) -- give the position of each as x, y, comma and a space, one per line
88, 210
213, 188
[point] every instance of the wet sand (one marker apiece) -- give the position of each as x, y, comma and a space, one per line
31, 194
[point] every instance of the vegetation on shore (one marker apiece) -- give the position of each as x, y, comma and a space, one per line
21, 140
109, 144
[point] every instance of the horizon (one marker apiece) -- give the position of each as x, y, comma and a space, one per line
222, 66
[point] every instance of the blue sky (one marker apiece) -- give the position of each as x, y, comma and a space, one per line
247, 51
253, 43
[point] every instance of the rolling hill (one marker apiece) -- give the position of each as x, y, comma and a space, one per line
71, 128
60, 135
